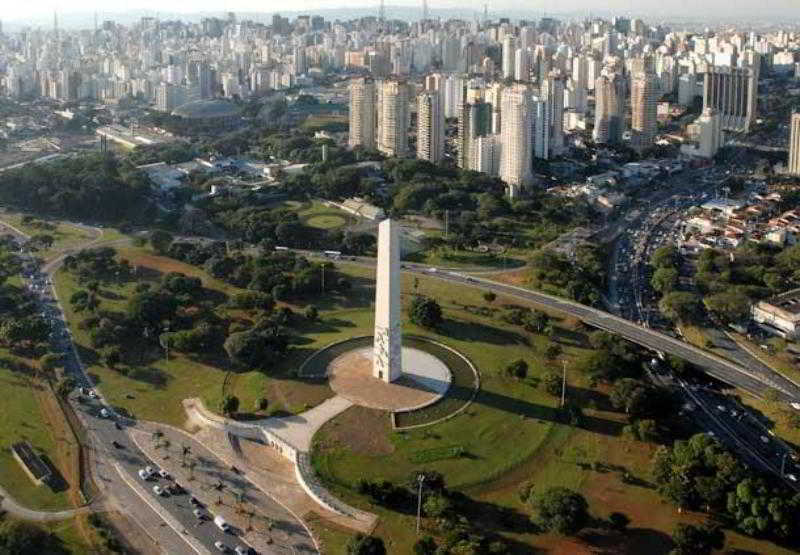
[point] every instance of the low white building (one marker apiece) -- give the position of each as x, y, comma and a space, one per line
780, 314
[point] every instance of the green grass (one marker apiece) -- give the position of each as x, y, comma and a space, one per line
66, 531
326, 221
183, 376
456, 258
66, 236
22, 420
318, 215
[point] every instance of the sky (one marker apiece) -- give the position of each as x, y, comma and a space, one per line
790, 9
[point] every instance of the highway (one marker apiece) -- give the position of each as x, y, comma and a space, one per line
757, 381
168, 520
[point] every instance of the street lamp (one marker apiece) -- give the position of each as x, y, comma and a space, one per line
420, 479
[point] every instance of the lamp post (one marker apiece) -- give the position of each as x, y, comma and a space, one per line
420, 479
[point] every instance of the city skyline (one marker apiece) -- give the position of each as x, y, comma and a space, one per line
39, 11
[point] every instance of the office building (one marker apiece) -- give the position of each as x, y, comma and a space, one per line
474, 121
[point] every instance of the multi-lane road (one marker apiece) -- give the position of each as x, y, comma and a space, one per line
168, 520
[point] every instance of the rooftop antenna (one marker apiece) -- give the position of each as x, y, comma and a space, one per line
424, 9
382, 14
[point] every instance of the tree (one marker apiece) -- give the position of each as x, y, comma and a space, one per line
489, 296
365, 545
664, 279
663, 257
679, 306
23, 538
618, 521
425, 312
517, 369
552, 382
730, 306
257, 349
65, 386
425, 546
160, 240
436, 505
230, 404
49, 362
696, 540
312, 313
561, 510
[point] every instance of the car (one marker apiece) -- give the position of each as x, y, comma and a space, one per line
199, 514
104, 413
144, 474
117, 445
764, 439
241, 550
194, 501
92, 393
158, 490
176, 489
220, 546
720, 408
221, 524
163, 473
792, 477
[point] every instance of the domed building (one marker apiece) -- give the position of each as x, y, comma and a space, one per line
216, 112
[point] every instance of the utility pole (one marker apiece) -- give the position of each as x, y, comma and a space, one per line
783, 465
420, 479
563, 383
323, 276
446, 223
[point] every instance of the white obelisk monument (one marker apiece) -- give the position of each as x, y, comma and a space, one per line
387, 364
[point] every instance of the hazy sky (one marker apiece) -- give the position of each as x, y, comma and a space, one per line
790, 9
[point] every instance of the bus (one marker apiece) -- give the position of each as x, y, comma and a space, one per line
332, 254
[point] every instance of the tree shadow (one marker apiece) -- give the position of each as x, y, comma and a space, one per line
475, 331
150, 375
56, 482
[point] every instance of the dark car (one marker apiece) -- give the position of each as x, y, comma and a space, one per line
117, 445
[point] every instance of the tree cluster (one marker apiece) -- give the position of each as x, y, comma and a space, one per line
581, 278
90, 186
701, 474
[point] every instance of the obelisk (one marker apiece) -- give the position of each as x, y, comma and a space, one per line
387, 364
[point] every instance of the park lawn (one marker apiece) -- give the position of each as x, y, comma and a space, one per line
447, 257
23, 419
66, 236
321, 216
182, 376
67, 531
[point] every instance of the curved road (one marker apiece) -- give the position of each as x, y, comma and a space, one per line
757, 380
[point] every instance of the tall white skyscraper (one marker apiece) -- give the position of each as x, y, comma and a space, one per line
609, 116
553, 95
393, 117
362, 113
794, 144
644, 96
516, 137
430, 127
509, 56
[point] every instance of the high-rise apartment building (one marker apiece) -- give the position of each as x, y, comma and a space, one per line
794, 144
516, 137
644, 96
509, 56
474, 121
609, 117
393, 117
733, 93
362, 113
430, 127
553, 95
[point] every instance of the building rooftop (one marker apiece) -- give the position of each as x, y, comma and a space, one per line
205, 109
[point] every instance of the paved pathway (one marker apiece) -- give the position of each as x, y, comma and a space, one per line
9, 504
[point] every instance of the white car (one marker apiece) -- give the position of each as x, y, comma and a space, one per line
163, 473
104, 413
92, 394
158, 490
240, 550
792, 477
764, 439
144, 474
220, 546
199, 514
150, 470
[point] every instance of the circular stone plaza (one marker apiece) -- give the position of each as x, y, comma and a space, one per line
423, 381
